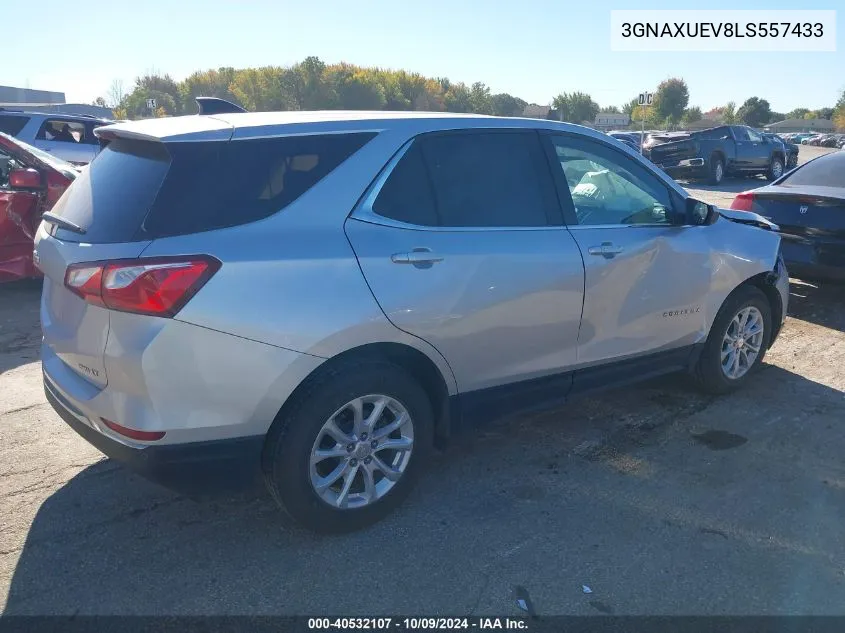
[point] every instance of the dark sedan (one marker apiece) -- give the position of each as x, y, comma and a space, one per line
808, 204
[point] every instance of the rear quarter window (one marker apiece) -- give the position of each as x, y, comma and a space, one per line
139, 190
12, 124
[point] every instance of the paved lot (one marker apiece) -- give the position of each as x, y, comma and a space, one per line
659, 499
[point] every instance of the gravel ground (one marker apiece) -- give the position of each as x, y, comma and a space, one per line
661, 500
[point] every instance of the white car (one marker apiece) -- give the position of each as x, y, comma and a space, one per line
67, 136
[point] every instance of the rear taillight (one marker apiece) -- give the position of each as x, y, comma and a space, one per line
154, 286
744, 201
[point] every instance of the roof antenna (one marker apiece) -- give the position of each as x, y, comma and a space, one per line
214, 105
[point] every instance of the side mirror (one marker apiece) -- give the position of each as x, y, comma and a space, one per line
699, 213
24, 179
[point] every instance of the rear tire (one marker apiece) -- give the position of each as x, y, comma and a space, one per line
775, 168
289, 456
717, 170
710, 372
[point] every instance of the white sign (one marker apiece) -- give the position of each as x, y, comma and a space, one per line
151, 104
645, 98
712, 31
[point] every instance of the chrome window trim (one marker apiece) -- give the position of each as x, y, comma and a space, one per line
364, 210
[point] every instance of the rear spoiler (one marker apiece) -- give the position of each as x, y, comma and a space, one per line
214, 105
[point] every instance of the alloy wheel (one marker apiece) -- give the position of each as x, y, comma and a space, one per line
361, 451
742, 342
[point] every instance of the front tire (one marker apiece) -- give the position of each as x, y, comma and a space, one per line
775, 168
351, 446
738, 340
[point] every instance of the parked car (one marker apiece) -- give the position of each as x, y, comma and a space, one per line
716, 152
631, 140
30, 183
790, 150
808, 206
362, 285
831, 140
814, 140
68, 137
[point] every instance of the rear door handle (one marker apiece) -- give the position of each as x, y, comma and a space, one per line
607, 249
418, 257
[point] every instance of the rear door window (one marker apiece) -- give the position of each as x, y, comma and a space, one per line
489, 179
12, 124
62, 131
138, 190
406, 195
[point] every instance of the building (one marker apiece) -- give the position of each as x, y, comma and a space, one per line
47, 101
610, 121
801, 125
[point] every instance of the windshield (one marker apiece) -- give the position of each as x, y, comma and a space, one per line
63, 167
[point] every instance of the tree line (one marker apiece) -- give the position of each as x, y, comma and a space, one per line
314, 85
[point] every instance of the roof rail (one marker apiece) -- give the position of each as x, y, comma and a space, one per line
214, 105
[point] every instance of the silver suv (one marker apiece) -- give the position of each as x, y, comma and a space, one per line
67, 136
322, 297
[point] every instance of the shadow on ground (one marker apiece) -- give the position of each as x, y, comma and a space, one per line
661, 499
822, 303
20, 326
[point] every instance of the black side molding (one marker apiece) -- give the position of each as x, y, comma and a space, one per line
213, 105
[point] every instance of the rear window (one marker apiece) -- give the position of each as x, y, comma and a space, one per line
825, 171
138, 190
12, 124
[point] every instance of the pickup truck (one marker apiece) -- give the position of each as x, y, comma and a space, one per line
716, 152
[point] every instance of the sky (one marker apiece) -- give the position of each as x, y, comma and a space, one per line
532, 49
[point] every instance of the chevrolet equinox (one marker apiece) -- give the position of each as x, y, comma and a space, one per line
320, 298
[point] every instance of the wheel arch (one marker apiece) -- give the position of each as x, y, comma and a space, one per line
763, 282
418, 364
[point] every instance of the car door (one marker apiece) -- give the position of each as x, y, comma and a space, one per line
747, 151
463, 245
16, 208
646, 274
760, 149
64, 138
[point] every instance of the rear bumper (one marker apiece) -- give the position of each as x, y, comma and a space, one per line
191, 468
811, 260
686, 167
816, 272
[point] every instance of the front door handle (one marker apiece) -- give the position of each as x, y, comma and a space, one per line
419, 257
607, 249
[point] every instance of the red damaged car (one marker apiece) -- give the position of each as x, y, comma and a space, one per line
31, 181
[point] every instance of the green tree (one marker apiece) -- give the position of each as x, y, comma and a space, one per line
839, 112
612, 109
671, 99
480, 100
575, 107
507, 105
458, 98
356, 89
755, 112
797, 113
729, 113
207, 83
691, 115
825, 113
